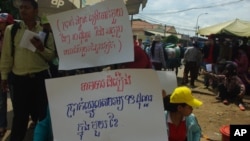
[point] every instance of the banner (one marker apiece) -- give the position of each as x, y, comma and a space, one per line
93, 36
118, 105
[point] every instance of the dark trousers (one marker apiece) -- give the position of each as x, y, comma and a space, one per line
192, 68
157, 66
231, 96
29, 98
3, 109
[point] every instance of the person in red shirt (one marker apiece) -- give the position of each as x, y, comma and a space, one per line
210, 52
181, 123
136, 43
141, 59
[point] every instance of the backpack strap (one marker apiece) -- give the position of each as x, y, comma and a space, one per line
46, 37
13, 32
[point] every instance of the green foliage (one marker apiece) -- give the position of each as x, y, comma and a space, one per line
171, 39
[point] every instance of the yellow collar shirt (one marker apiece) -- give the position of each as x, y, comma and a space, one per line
24, 61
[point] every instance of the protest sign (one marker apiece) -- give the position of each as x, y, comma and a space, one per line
107, 106
209, 67
93, 36
28, 35
168, 80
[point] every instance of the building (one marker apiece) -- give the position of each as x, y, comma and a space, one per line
146, 30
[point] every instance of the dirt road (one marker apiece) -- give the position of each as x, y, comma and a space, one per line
213, 114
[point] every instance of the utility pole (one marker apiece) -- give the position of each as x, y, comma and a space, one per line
165, 28
197, 25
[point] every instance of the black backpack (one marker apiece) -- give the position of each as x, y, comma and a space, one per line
165, 51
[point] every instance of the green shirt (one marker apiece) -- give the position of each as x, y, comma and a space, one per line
24, 61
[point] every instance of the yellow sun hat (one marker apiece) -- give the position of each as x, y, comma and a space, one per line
183, 94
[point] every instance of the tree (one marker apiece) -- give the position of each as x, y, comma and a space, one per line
171, 39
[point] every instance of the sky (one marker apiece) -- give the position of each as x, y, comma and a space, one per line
186, 14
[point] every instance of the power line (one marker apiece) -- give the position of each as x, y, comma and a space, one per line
200, 7
181, 27
162, 22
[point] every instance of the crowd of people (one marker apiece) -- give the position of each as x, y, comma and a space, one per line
229, 58
224, 64
23, 75
23, 72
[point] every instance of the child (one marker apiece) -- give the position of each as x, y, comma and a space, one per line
180, 121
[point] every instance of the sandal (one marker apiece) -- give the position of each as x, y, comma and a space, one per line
242, 108
225, 102
2, 132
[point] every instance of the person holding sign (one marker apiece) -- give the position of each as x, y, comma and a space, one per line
181, 123
28, 69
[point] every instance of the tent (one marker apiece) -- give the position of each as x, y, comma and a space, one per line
47, 7
235, 27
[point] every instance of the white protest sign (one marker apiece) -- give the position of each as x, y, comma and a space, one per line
107, 106
27, 36
93, 36
168, 80
209, 67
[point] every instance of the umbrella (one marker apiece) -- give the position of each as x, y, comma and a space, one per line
47, 7
235, 27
